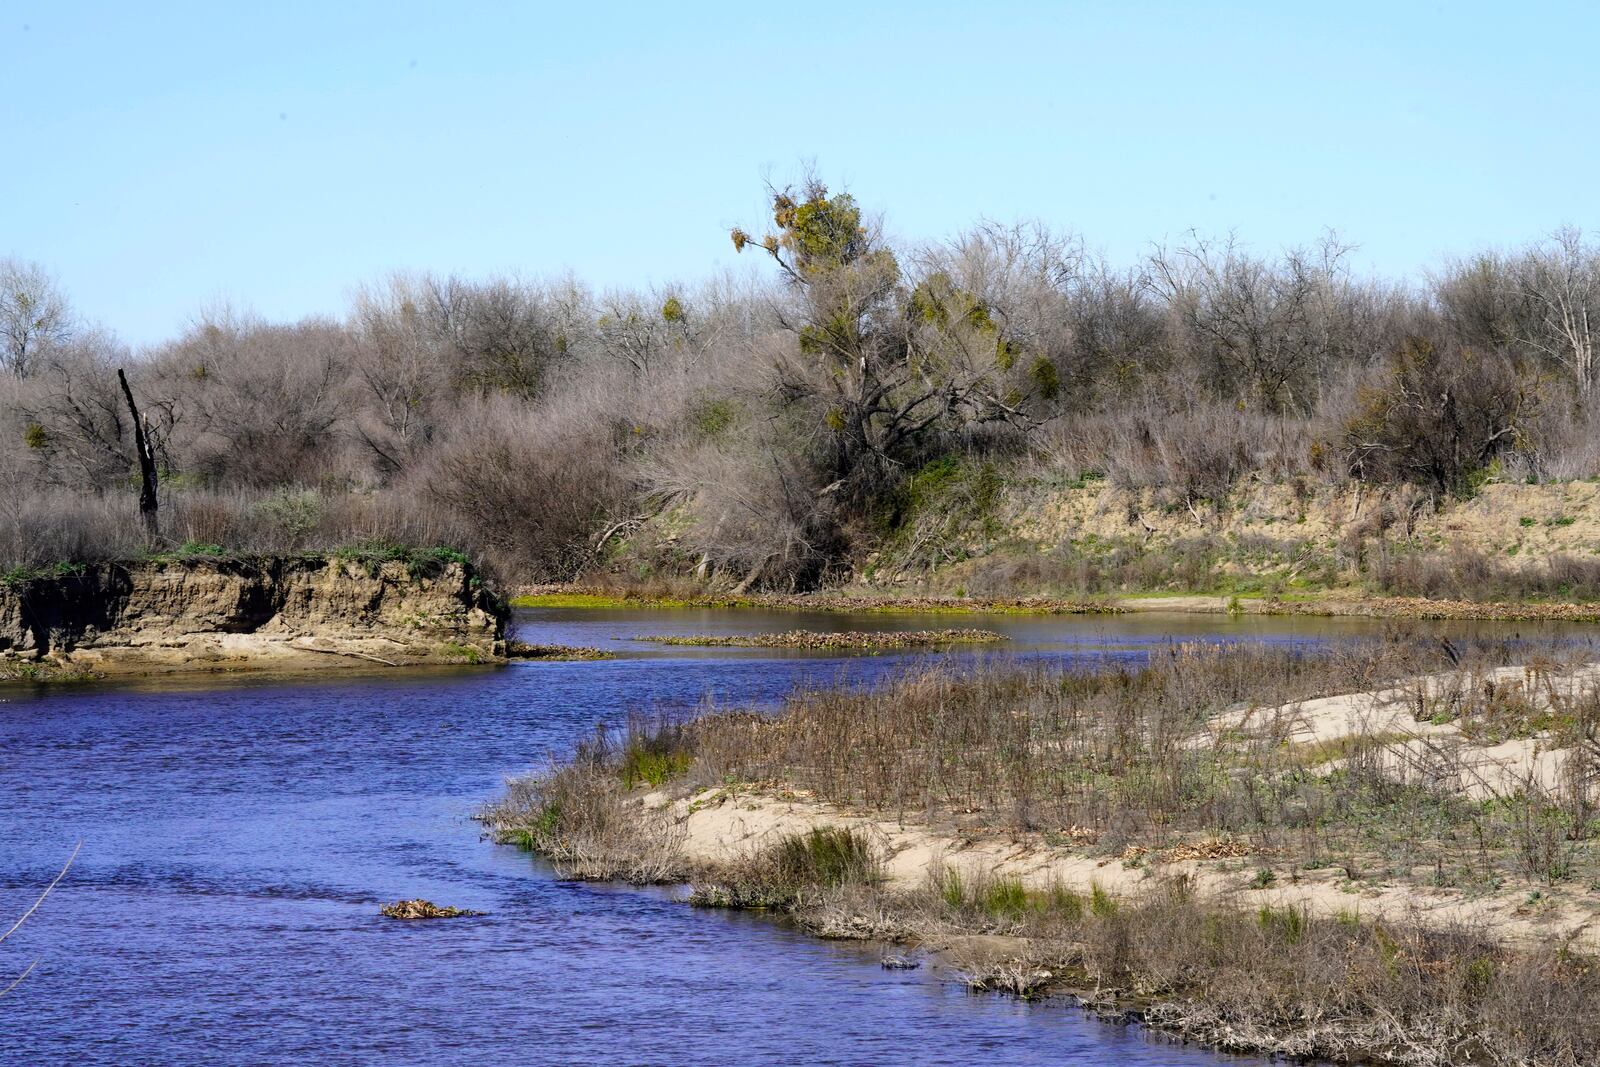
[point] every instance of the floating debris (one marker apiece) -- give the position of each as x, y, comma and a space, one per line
423, 909
873, 639
523, 650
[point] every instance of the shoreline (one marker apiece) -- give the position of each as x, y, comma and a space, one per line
211, 614
1329, 605
1191, 930
990, 957
23, 675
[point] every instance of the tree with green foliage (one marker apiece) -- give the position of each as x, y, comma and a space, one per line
889, 362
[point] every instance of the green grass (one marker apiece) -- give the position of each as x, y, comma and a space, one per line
374, 554
455, 650
655, 768
1005, 898
189, 550
827, 856
1102, 905
1288, 923
952, 889
19, 576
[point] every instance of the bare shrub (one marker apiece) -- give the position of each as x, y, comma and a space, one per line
532, 489
255, 405
1436, 417
1199, 454
1466, 574
41, 528
1267, 330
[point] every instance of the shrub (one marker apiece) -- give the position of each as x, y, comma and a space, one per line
1437, 417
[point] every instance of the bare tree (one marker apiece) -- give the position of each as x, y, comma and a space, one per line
1268, 329
1560, 281
1480, 302
34, 315
1436, 417
400, 374
640, 329
149, 502
84, 434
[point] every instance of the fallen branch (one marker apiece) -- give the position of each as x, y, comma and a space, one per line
343, 652
35, 907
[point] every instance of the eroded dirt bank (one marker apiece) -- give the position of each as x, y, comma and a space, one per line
226, 614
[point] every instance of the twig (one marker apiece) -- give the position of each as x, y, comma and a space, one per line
46, 893
24, 918
344, 652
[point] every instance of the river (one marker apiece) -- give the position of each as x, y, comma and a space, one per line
238, 835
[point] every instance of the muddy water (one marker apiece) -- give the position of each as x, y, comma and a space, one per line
238, 837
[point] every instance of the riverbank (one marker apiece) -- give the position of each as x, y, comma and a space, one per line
1332, 604
1241, 845
226, 614
1042, 543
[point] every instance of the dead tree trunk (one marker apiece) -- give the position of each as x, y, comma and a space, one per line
148, 501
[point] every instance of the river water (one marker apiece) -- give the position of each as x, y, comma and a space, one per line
238, 836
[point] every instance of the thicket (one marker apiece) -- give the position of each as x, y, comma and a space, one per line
773, 433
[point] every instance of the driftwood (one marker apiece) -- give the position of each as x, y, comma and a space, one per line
342, 652
35, 907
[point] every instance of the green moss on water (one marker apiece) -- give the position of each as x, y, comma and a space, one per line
593, 600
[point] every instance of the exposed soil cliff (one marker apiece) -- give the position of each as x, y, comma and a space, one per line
1032, 535
226, 614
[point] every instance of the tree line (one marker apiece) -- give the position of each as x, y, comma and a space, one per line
766, 430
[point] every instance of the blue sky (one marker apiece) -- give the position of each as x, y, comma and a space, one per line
162, 156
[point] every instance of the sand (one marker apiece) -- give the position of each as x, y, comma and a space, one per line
721, 825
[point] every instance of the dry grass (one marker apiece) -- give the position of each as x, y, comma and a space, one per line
1464, 574
1143, 760
577, 815
1271, 980
1139, 764
1028, 748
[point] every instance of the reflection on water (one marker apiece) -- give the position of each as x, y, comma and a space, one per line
240, 833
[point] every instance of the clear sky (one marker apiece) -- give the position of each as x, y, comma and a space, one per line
161, 156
